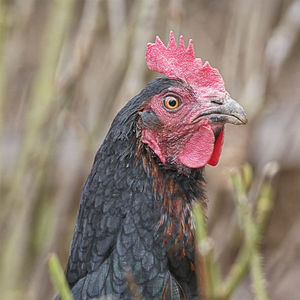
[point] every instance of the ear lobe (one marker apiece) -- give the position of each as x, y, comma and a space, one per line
149, 119
149, 138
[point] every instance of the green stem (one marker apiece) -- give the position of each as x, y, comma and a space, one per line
264, 207
58, 277
43, 90
209, 272
236, 274
257, 276
247, 175
34, 151
3, 34
248, 254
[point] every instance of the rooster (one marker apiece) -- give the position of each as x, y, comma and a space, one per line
135, 214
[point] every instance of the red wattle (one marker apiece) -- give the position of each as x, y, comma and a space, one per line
198, 149
214, 159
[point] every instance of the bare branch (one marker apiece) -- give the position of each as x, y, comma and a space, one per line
82, 46
283, 39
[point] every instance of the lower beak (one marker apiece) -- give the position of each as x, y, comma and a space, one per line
228, 111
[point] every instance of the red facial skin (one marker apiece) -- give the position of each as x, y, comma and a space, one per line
177, 140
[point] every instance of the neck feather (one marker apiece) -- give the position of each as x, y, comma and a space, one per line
175, 192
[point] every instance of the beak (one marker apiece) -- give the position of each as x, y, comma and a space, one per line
224, 111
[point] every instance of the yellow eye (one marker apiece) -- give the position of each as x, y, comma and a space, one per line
171, 102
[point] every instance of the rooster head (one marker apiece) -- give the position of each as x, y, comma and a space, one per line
184, 123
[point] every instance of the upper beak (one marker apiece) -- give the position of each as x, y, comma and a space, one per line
224, 111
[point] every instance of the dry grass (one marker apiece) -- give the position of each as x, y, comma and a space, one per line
67, 66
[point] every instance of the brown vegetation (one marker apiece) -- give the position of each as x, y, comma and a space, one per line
67, 66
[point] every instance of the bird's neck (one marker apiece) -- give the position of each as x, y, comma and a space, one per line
175, 193
170, 192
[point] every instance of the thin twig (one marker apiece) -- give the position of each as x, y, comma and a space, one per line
257, 275
58, 278
208, 272
3, 29
134, 79
116, 21
43, 90
249, 252
282, 41
263, 208
175, 13
26, 177
82, 47
201, 260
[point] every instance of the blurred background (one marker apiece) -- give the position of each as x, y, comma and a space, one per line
67, 67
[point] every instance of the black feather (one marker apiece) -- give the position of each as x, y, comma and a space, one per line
117, 227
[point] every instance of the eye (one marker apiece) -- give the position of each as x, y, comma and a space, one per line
171, 102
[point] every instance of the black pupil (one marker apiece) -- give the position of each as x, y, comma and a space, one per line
173, 102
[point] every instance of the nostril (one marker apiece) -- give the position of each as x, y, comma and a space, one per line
218, 101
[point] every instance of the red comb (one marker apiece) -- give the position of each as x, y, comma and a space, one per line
180, 62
